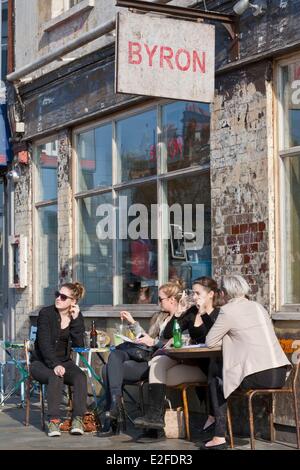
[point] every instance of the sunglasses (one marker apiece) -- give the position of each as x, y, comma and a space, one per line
161, 299
62, 296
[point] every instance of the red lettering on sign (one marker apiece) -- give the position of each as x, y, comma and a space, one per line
183, 60
185, 67
164, 57
150, 53
132, 52
196, 60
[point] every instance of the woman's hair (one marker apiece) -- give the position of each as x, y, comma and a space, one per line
235, 286
76, 288
174, 288
211, 285
155, 323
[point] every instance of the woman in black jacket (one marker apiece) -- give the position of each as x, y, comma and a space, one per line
60, 327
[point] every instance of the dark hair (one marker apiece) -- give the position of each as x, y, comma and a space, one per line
211, 285
76, 288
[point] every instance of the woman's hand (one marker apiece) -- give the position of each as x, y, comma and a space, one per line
59, 371
146, 340
127, 316
201, 305
74, 311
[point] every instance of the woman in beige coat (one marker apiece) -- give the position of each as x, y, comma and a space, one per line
252, 355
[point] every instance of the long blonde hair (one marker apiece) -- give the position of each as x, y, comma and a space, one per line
173, 288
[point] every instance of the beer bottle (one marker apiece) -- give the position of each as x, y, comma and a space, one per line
177, 337
93, 336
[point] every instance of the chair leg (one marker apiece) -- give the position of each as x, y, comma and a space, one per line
186, 413
42, 405
251, 422
297, 419
27, 412
229, 424
141, 398
272, 428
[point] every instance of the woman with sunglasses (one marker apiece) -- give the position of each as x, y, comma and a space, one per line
129, 363
59, 328
165, 371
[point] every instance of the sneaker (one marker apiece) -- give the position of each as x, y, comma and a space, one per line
53, 428
77, 426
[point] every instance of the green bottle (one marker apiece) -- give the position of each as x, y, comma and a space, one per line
177, 339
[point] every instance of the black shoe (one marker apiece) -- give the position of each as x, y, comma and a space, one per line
155, 422
148, 436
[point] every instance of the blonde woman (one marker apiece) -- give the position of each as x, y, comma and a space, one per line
129, 362
60, 327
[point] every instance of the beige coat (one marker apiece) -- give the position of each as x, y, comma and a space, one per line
249, 342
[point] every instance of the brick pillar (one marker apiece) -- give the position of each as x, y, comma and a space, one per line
64, 212
239, 179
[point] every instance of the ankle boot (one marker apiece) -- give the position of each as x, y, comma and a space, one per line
154, 418
117, 414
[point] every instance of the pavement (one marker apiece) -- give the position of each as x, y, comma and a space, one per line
15, 436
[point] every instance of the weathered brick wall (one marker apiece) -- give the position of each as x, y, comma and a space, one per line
239, 178
23, 226
64, 211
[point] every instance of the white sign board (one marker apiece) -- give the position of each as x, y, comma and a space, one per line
165, 57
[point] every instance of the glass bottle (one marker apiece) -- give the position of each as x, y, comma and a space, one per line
93, 336
177, 336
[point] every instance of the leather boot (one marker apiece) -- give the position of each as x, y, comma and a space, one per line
154, 418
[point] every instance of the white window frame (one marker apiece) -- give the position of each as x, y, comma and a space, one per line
282, 153
160, 178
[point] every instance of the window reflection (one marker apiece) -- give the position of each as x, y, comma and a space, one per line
292, 228
291, 104
137, 254
95, 158
190, 257
47, 254
95, 258
47, 171
186, 134
136, 143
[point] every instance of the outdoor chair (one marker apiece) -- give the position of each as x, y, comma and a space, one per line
28, 346
140, 403
184, 389
290, 389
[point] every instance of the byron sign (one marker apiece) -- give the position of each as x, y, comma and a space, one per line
165, 57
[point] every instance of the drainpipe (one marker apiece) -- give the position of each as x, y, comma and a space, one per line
71, 46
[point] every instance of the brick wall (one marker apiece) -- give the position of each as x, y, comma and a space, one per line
239, 178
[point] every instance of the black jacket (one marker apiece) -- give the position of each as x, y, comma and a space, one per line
48, 330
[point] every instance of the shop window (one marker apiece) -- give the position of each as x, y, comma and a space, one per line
136, 142
126, 180
45, 191
185, 134
190, 253
95, 257
289, 151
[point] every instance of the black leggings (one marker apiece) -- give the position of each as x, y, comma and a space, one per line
119, 369
73, 376
269, 378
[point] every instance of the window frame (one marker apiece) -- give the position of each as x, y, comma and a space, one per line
160, 178
36, 205
68, 13
280, 186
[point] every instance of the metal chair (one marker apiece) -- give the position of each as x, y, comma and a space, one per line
140, 404
290, 389
183, 389
28, 346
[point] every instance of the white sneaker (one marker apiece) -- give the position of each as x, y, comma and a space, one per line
77, 426
53, 428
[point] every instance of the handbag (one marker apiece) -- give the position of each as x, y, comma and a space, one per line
174, 423
136, 352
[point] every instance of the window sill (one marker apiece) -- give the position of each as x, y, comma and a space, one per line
100, 311
76, 10
286, 316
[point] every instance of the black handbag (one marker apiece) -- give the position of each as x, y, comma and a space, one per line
136, 352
